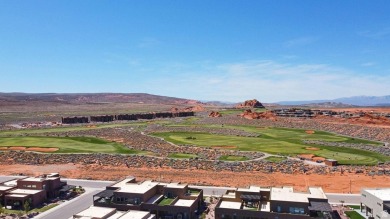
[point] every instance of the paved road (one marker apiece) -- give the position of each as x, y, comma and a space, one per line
70, 208
212, 190
87, 183
7, 178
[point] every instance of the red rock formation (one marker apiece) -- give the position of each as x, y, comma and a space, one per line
248, 114
250, 104
215, 114
197, 108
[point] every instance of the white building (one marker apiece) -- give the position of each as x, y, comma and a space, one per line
94, 212
376, 203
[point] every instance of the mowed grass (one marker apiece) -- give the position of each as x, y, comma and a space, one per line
275, 159
233, 158
353, 215
182, 156
68, 144
281, 141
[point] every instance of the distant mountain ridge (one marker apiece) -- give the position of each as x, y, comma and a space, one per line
78, 98
356, 101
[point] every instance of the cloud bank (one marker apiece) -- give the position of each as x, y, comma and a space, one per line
269, 81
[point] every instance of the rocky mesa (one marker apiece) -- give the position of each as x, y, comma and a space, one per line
250, 104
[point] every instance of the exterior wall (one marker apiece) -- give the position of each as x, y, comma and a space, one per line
142, 197
175, 192
223, 213
51, 186
30, 185
285, 206
372, 202
38, 199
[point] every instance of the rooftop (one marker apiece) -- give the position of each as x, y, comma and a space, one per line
38, 179
184, 202
5, 188
136, 215
250, 189
287, 194
117, 215
17, 195
137, 188
383, 194
231, 205
176, 185
123, 182
25, 191
11, 182
95, 212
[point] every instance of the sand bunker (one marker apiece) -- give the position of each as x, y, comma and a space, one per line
42, 149
306, 156
224, 147
36, 149
318, 158
312, 149
310, 132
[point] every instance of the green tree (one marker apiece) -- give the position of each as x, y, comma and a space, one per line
26, 206
1, 209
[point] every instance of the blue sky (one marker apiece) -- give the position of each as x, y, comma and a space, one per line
205, 50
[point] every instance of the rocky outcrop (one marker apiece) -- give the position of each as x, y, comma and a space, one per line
215, 114
248, 114
197, 108
250, 104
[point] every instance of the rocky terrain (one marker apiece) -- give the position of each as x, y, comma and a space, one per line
248, 114
250, 104
215, 114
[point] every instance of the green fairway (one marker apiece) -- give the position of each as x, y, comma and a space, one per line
182, 156
233, 158
80, 127
281, 141
67, 144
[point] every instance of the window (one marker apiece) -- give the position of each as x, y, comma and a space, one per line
279, 209
364, 195
294, 210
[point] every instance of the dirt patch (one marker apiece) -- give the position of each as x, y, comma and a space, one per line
37, 149
306, 156
17, 148
201, 177
310, 132
224, 147
318, 158
312, 149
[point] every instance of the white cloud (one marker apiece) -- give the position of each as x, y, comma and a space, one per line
271, 81
376, 35
368, 64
